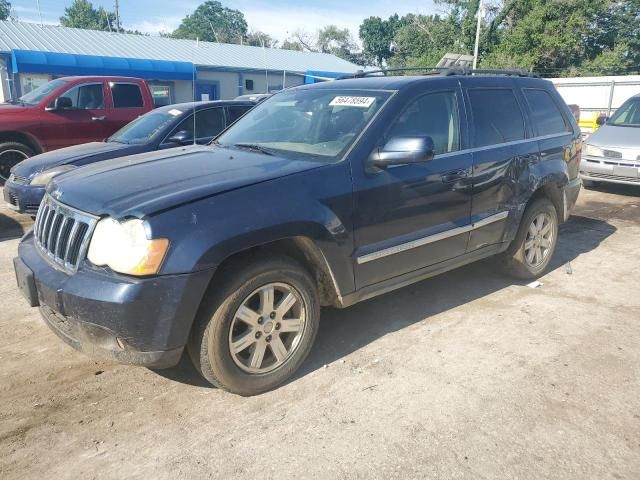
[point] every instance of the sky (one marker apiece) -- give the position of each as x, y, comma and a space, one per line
278, 18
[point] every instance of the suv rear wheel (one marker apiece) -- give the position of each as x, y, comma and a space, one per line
12, 153
257, 326
531, 251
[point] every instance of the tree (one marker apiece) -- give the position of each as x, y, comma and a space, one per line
377, 37
213, 23
5, 9
258, 39
82, 14
290, 44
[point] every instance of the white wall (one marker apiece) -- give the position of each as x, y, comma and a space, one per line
592, 94
4, 84
182, 91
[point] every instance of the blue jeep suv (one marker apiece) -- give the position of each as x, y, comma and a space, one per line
325, 194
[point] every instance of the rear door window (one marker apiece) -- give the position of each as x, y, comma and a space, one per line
126, 95
497, 117
545, 113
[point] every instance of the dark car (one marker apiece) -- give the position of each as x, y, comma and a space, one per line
165, 127
325, 194
68, 111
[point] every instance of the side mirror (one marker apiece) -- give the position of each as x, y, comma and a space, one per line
181, 138
61, 103
402, 151
601, 120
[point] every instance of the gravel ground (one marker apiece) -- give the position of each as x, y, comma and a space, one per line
469, 375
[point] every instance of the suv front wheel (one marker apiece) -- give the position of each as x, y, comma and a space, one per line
256, 326
531, 251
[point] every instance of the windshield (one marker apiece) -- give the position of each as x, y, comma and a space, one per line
34, 97
320, 122
144, 128
628, 114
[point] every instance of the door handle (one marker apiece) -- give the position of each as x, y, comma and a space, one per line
101, 117
454, 175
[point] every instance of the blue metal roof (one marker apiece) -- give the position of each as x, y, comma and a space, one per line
72, 64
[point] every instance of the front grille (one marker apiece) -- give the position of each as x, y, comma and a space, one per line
18, 179
619, 178
13, 199
62, 233
611, 154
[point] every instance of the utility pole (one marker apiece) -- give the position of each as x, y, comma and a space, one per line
477, 46
117, 10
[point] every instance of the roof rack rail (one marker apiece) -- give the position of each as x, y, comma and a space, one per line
444, 71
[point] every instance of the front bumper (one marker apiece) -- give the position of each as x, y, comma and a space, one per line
610, 170
137, 321
23, 198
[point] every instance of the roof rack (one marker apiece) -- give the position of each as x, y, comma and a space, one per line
444, 71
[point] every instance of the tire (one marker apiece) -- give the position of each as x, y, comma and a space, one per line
517, 260
12, 153
233, 314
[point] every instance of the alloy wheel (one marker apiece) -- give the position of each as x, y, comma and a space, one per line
267, 327
539, 241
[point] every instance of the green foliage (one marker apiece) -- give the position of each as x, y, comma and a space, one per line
289, 44
377, 37
5, 9
553, 37
82, 14
259, 39
212, 22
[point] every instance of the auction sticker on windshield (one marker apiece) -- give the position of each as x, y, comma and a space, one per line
348, 101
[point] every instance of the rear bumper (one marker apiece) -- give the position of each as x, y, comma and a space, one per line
612, 172
570, 195
23, 198
137, 321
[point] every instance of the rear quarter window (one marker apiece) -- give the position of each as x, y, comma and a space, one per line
545, 113
497, 117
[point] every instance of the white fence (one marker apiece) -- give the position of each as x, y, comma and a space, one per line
597, 94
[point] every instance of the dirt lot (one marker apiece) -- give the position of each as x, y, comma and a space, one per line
468, 375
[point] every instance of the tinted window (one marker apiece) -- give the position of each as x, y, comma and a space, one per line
126, 95
236, 112
544, 112
86, 97
435, 115
497, 117
209, 123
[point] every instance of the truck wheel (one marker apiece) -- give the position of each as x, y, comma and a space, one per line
12, 153
531, 251
256, 326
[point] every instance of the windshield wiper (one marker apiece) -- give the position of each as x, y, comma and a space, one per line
255, 147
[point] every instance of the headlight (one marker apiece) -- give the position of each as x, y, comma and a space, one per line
125, 248
593, 151
43, 178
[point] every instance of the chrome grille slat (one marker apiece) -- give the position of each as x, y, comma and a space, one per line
62, 233
72, 238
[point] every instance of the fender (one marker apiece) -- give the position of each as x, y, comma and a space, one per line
316, 205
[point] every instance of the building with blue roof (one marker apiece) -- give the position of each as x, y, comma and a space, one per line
176, 70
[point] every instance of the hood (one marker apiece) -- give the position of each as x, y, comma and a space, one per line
611, 136
12, 108
142, 184
76, 155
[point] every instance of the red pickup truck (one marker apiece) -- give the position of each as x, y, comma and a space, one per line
68, 111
